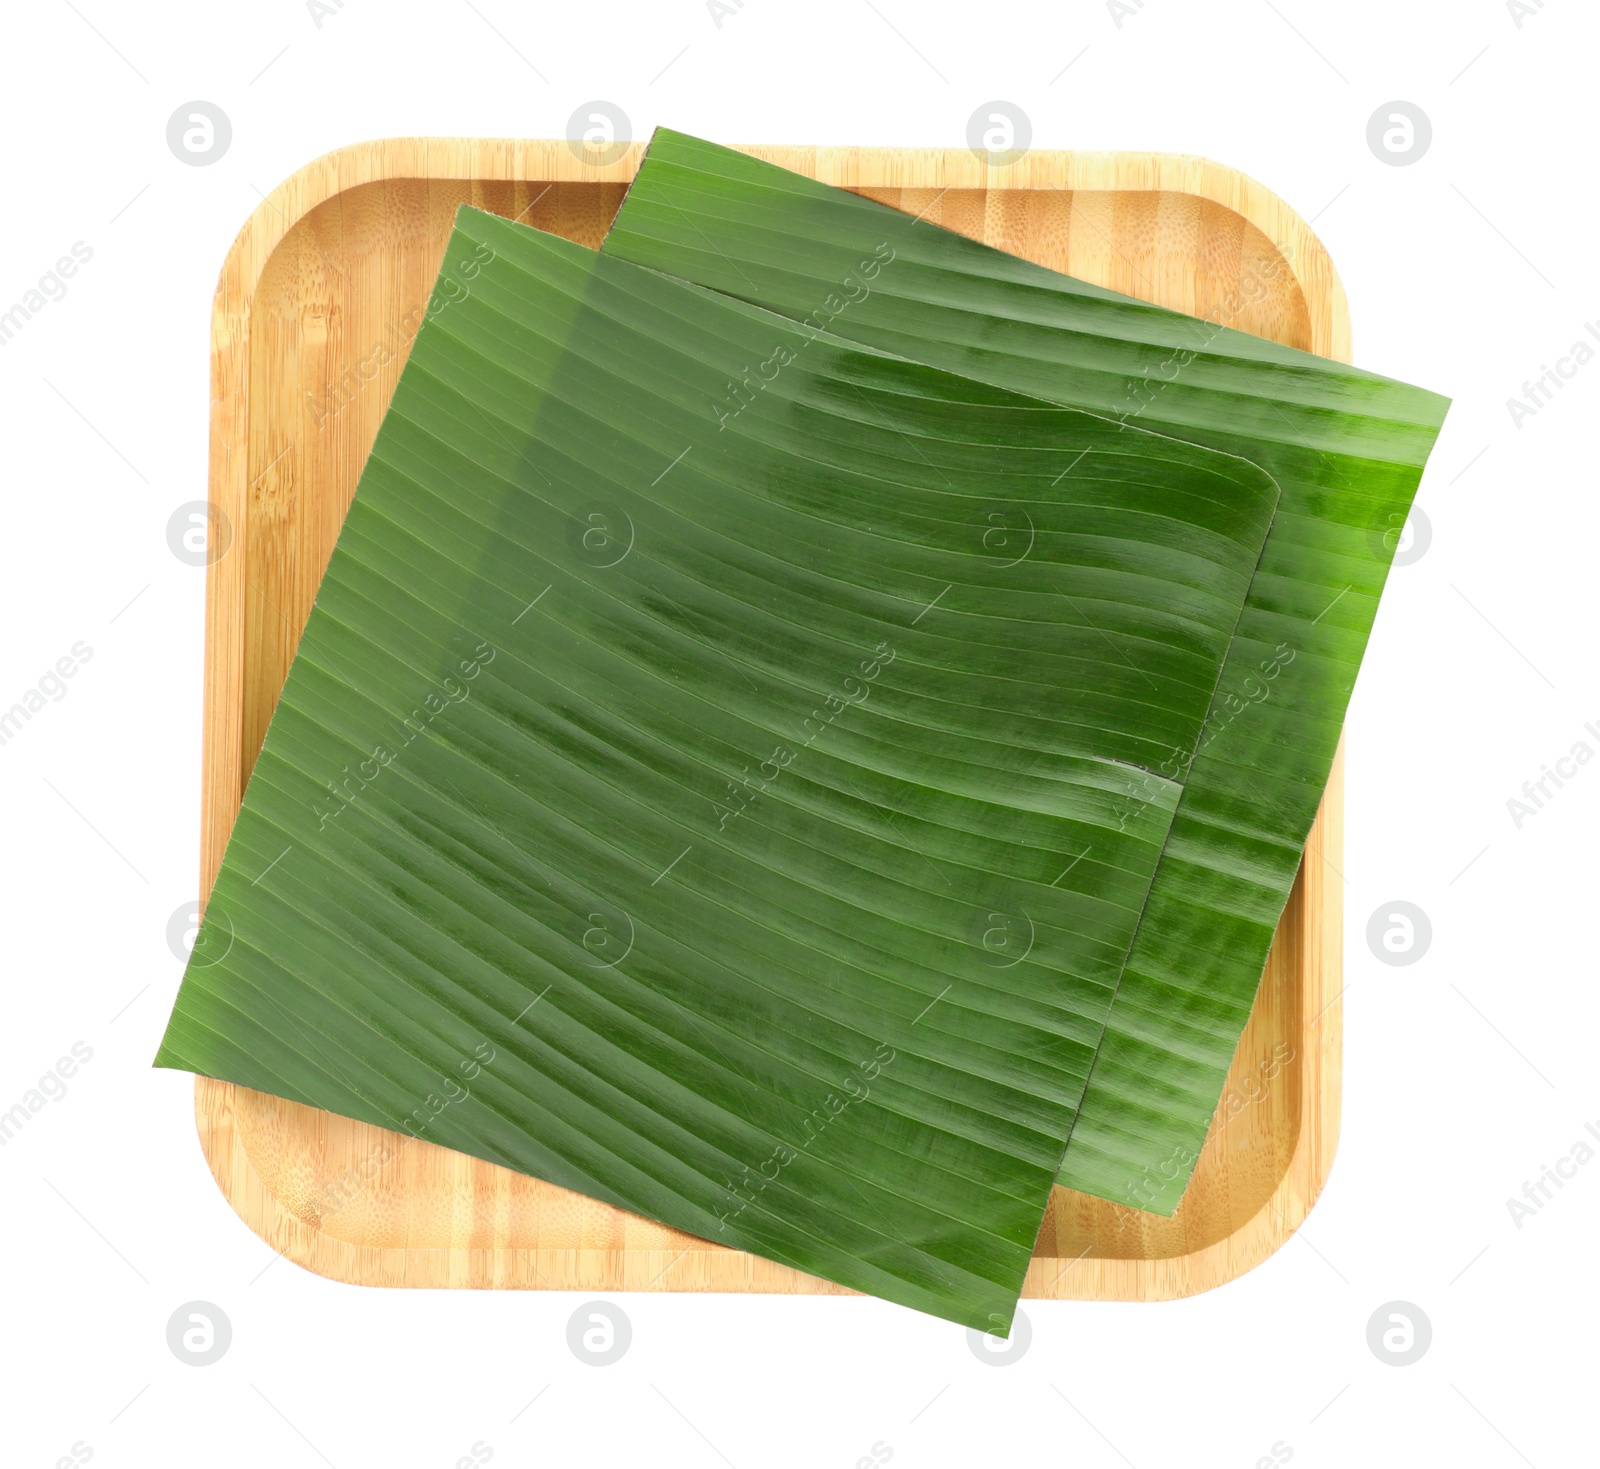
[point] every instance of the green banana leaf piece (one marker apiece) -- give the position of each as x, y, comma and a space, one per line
734, 805
1347, 449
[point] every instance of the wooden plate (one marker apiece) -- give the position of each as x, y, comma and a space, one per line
315, 309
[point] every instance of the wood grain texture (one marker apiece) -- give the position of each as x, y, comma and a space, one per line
315, 309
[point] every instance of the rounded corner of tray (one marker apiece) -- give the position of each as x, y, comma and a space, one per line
257, 1208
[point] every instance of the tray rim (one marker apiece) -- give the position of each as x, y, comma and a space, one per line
553, 160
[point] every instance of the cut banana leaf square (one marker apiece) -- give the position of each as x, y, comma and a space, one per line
1347, 449
723, 771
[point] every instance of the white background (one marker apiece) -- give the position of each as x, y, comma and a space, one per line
1465, 1073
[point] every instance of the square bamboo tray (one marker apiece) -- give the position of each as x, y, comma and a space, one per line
314, 313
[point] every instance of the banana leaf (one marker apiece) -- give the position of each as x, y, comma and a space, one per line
1347, 448
731, 799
